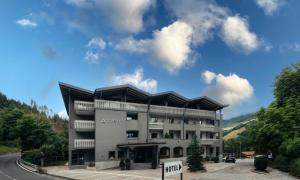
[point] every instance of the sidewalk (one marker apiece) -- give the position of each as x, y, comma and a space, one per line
117, 174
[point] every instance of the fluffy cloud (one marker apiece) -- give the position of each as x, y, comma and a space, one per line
290, 47
136, 79
92, 57
26, 23
97, 42
63, 114
204, 16
208, 76
230, 89
270, 6
133, 46
236, 33
126, 15
169, 47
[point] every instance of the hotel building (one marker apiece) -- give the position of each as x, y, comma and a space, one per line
115, 122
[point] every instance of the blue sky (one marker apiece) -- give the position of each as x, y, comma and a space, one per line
228, 50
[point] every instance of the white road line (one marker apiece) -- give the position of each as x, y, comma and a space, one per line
9, 177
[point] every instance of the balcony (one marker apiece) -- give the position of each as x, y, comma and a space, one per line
84, 107
162, 110
83, 125
157, 140
199, 113
123, 106
207, 128
209, 141
84, 143
156, 125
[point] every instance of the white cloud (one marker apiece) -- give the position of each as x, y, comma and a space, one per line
63, 114
290, 47
97, 42
204, 16
208, 76
92, 57
26, 23
133, 46
136, 79
236, 33
170, 46
270, 6
231, 89
80, 3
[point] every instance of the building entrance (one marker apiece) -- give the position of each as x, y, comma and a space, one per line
142, 154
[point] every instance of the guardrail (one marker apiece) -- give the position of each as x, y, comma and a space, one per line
32, 167
157, 125
166, 110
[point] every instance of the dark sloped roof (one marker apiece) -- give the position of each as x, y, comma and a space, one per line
173, 98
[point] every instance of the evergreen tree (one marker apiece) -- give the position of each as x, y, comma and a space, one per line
194, 159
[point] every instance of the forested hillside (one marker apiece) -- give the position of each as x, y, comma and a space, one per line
276, 129
31, 128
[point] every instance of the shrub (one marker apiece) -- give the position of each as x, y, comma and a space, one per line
127, 164
260, 162
32, 156
282, 163
215, 159
207, 158
122, 164
295, 167
293, 148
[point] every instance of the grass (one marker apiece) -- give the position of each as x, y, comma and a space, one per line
7, 150
234, 134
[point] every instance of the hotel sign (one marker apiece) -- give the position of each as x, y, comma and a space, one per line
171, 168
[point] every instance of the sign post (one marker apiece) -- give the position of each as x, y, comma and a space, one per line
172, 168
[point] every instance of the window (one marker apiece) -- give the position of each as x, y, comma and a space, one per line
217, 135
194, 122
171, 120
186, 135
154, 120
178, 152
211, 135
132, 134
153, 135
164, 152
171, 135
111, 155
178, 121
132, 116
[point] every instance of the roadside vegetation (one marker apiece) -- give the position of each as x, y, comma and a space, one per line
33, 131
276, 129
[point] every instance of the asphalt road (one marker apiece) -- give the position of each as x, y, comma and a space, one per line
9, 170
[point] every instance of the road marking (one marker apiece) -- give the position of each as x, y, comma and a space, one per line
9, 177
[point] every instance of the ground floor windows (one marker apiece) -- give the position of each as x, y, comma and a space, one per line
178, 152
164, 152
111, 155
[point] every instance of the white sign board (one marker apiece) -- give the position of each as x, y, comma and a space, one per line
172, 168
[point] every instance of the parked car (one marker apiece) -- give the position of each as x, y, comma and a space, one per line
229, 158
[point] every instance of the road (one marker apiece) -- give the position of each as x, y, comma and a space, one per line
244, 169
9, 170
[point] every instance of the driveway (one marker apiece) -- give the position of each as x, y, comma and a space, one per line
244, 170
241, 170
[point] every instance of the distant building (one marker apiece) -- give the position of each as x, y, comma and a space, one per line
125, 122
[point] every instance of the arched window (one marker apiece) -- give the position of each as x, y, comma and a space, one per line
164, 152
178, 152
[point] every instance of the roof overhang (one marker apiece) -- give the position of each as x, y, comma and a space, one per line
68, 90
207, 103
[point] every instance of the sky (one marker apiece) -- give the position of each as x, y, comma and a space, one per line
228, 50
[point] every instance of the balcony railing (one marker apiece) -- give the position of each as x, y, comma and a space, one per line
207, 127
156, 125
199, 112
84, 107
166, 110
157, 140
116, 105
84, 125
84, 143
209, 141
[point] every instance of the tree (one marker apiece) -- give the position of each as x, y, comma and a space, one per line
194, 159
